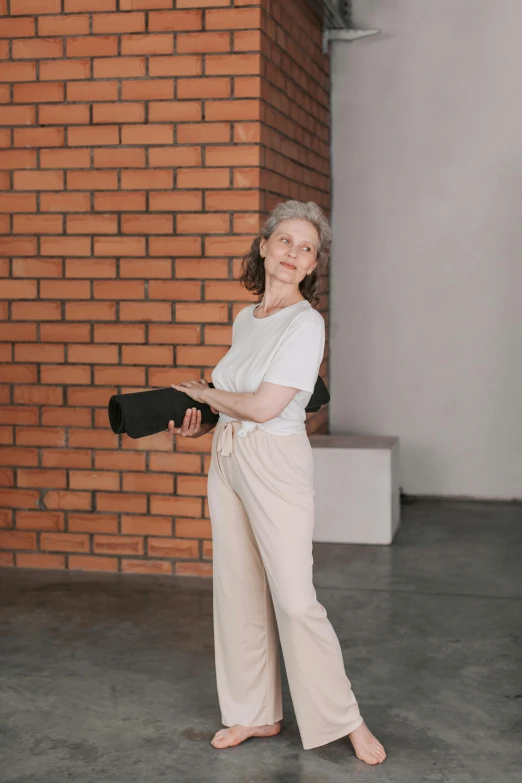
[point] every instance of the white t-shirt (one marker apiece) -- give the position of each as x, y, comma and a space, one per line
285, 348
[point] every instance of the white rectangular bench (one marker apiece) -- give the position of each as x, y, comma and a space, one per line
357, 495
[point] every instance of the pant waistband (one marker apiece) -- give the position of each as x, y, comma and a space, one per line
225, 443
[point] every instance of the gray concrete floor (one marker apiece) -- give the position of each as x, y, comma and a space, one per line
110, 678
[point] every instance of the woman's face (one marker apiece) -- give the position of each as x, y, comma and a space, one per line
291, 251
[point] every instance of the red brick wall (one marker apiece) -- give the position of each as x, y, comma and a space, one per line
141, 143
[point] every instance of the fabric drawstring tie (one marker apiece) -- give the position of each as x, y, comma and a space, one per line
226, 437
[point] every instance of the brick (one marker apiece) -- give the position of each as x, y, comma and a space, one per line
32, 477
39, 560
232, 201
145, 311
175, 66
203, 88
201, 268
17, 246
40, 520
147, 224
6, 559
247, 132
91, 396
118, 112
67, 114
126, 461
92, 224
24, 332
93, 268
89, 479
25, 7
149, 179
175, 20
92, 91
191, 485
65, 542
247, 87
65, 159
65, 289
63, 25
246, 178
65, 246
38, 180
64, 202
130, 5
175, 246
193, 528
121, 202
38, 92
187, 43
180, 290
17, 159
147, 44
203, 224
17, 115
203, 133
41, 311
18, 202
36, 436
37, 224
133, 157
6, 436
95, 137
232, 64
203, 178
92, 46
26, 49
57, 373
175, 156
17, 72
76, 69
247, 224
149, 89
38, 137
114, 67
22, 414
194, 312
65, 332
90, 311
66, 417
147, 134
72, 6
110, 246
147, 354
238, 155
247, 41
233, 19
233, 110
193, 569
93, 438
16, 28
87, 563
177, 111
38, 394
117, 501
118, 545
15, 539
92, 180
174, 462
201, 3
145, 525
146, 268
19, 373
163, 567
92, 354
177, 201
93, 523
114, 289
119, 23
171, 547
14, 456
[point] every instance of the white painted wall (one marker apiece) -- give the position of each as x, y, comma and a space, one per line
426, 294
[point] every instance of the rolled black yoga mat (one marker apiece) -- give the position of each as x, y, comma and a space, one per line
145, 413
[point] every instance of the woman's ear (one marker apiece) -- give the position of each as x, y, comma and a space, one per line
262, 248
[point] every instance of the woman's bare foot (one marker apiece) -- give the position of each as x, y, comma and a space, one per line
226, 738
366, 746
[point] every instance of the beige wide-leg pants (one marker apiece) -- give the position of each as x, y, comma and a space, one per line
261, 503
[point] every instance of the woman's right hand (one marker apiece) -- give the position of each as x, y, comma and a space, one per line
191, 426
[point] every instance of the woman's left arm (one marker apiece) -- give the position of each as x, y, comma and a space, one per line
260, 406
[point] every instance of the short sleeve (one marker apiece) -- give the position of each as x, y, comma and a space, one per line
297, 359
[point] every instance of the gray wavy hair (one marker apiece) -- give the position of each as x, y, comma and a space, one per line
253, 267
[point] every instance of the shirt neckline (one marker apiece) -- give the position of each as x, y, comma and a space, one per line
279, 311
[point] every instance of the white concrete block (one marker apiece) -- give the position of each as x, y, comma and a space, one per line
357, 496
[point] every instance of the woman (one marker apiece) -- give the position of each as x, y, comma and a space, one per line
261, 500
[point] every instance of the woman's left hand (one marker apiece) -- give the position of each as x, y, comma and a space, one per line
194, 389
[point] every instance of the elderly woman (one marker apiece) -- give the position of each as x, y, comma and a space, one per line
261, 500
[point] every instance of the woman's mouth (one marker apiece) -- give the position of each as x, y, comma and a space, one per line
288, 265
